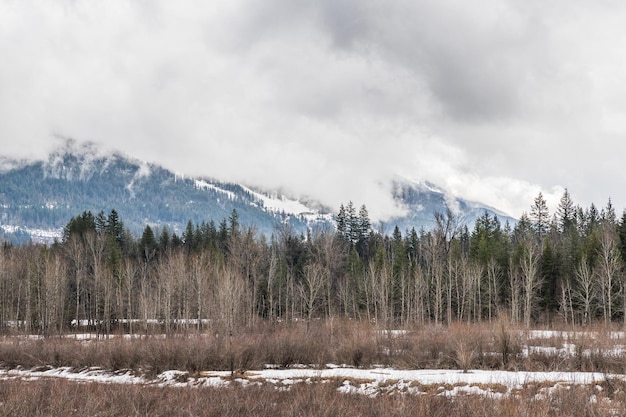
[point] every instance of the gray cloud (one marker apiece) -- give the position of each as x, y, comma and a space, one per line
495, 102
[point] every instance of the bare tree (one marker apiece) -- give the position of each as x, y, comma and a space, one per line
314, 280
493, 287
467, 282
129, 271
516, 292
231, 298
419, 294
96, 246
75, 252
609, 266
531, 280
55, 283
585, 288
438, 256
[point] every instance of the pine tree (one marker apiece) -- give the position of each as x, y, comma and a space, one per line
148, 244
233, 221
364, 223
188, 237
101, 222
566, 212
621, 232
79, 226
354, 229
608, 214
164, 240
540, 216
341, 221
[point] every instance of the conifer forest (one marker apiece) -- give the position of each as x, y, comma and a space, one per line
565, 267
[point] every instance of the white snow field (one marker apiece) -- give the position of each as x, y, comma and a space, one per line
370, 382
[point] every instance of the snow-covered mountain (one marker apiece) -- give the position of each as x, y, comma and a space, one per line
421, 200
38, 198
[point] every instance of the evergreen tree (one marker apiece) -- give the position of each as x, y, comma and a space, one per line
341, 222
148, 244
566, 212
540, 216
364, 223
549, 270
608, 215
101, 222
354, 229
188, 237
233, 221
591, 219
621, 232
79, 226
164, 240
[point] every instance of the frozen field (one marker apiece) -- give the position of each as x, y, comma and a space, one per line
357, 381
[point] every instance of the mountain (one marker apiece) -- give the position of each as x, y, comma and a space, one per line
422, 200
38, 198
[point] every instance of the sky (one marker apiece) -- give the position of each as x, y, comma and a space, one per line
493, 100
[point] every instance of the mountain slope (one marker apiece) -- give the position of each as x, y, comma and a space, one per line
43, 196
422, 200
37, 198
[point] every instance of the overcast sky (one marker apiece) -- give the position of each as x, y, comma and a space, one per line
492, 100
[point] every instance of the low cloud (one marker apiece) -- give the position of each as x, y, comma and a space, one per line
493, 102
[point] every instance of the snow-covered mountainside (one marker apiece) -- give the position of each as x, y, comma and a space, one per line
38, 198
422, 200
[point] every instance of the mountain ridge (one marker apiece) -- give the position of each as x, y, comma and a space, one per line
38, 198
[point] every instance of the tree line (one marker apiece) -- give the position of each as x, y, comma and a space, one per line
567, 266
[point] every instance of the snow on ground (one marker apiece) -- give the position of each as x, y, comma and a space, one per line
350, 380
560, 334
571, 343
85, 375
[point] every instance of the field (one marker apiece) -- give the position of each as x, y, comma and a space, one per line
324, 368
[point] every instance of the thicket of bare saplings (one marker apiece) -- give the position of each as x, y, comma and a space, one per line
225, 278
463, 346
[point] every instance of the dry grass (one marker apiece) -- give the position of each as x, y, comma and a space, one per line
46, 397
459, 346
476, 346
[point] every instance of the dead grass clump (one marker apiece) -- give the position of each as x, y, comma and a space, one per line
358, 350
505, 341
433, 343
466, 345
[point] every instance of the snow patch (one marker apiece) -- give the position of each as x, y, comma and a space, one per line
278, 203
371, 382
36, 235
203, 185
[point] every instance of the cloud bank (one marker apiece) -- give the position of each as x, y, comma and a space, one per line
493, 101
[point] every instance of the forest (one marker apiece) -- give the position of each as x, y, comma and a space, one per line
565, 267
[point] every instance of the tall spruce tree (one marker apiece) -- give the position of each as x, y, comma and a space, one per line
566, 212
540, 216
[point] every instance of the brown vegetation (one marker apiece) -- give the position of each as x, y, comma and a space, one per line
359, 344
48, 397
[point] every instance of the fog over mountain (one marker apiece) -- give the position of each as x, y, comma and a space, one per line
38, 198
